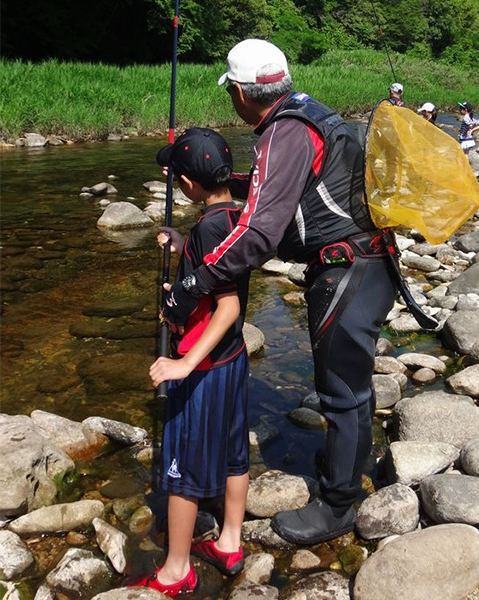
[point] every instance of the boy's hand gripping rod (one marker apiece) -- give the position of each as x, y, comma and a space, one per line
162, 349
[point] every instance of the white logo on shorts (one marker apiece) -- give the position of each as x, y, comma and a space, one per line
173, 470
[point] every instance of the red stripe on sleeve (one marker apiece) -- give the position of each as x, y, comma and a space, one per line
318, 143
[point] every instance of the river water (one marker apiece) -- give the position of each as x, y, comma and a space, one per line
61, 354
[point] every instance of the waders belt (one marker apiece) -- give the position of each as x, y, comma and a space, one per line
374, 244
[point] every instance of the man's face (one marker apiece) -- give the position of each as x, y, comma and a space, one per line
241, 104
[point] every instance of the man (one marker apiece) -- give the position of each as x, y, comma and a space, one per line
395, 94
305, 202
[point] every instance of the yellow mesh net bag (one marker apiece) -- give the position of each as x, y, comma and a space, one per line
416, 175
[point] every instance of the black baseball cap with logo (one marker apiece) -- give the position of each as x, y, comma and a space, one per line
199, 153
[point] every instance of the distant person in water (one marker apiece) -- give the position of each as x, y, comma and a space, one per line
468, 126
395, 94
429, 112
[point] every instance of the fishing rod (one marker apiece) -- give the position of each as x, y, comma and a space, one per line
381, 34
162, 338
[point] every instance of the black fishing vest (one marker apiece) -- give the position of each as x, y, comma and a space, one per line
332, 205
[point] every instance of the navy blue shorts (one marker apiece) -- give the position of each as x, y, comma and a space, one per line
205, 432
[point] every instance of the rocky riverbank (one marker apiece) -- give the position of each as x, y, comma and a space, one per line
70, 531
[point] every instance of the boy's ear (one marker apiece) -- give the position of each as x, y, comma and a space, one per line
189, 184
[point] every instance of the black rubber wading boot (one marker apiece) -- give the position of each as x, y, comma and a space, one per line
312, 524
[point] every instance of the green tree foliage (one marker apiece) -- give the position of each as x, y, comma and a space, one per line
129, 31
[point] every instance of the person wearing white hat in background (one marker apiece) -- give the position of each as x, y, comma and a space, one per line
395, 94
429, 112
305, 201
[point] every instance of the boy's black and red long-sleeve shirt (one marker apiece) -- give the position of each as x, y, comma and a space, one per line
215, 224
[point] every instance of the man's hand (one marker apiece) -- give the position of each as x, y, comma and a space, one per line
179, 304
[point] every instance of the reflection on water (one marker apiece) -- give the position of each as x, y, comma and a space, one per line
79, 304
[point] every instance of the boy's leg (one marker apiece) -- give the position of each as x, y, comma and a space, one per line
182, 513
235, 504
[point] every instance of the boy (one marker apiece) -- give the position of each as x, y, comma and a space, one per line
205, 436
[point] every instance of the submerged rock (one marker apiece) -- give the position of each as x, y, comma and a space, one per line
306, 418
451, 498
437, 563
104, 374
392, 510
410, 462
123, 215
31, 467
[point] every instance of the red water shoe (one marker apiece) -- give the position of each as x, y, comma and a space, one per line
186, 586
228, 563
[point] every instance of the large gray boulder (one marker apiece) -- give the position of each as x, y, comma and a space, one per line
76, 440
436, 418
410, 462
80, 574
327, 585
451, 498
461, 330
248, 590
123, 215
58, 518
15, 557
465, 381
392, 510
30, 467
467, 282
439, 563
274, 491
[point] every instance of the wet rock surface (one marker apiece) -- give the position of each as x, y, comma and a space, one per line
320, 586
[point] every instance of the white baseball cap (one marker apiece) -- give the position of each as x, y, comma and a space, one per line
428, 106
397, 87
250, 56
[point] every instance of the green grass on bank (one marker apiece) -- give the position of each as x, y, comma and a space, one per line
84, 101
